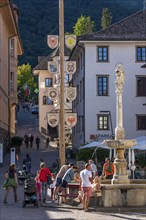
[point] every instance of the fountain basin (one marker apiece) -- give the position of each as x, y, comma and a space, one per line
120, 144
123, 195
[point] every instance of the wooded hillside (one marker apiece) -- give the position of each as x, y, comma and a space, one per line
38, 18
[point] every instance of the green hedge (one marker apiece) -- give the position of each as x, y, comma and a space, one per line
86, 154
16, 141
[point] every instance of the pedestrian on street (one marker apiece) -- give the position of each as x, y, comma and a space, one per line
28, 163
37, 141
44, 173
26, 140
38, 186
12, 182
86, 185
59, 177
31, 139
47, 142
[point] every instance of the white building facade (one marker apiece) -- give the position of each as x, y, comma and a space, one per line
47, 80
97, 55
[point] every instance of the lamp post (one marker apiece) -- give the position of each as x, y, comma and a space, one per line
62, 121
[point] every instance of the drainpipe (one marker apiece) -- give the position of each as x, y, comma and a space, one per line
83, 89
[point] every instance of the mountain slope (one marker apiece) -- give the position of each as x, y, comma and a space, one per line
38, 18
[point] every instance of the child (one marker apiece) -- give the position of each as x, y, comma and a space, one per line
96, 184
53, 185
76, 177
38, 185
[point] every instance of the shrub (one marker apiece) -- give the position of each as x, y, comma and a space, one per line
142, 160
86, 154
16, 141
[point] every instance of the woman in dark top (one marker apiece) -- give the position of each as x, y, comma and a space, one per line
12, 182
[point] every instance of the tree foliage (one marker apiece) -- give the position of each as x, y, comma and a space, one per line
83, 26
106, 18
25, 75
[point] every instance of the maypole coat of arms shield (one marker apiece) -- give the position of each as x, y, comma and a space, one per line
53, 119
71, 119
70, 67
70, 41
53, 67
52, 41
53, 93
71, 93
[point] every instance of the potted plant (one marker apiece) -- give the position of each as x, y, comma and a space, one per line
16, 142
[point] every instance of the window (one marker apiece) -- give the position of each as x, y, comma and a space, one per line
141, 122
102, 85
11, 81
141, 85
47, 101
44, 100
12, 52
48, 82
141, 54
102, 54
103, 122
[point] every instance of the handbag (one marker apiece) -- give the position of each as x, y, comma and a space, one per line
50, 181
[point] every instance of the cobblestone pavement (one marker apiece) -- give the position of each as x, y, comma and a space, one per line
14, 211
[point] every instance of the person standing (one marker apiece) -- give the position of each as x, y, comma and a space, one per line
93, 166
86, 185
43, 176
47, 142
31, 139
28, 163
108, 169
68, 176
12, 182
26, 140
37, 141
59, 177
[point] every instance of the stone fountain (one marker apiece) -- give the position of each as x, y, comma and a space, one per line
120, 192
120, 144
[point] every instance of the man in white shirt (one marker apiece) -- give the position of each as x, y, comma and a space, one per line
86, 180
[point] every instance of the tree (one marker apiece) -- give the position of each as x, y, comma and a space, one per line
106, 19
25, 76
83, 26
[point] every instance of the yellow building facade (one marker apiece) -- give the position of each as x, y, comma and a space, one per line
10, 48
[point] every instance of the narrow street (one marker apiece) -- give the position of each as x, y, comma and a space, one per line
14, 211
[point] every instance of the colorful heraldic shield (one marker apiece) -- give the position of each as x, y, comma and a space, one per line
71, 93
53, 119
71, 119
53, 93
70, 67
70, 41
53, 67
52, 41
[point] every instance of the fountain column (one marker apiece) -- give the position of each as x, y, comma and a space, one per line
120, 175
120, 144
